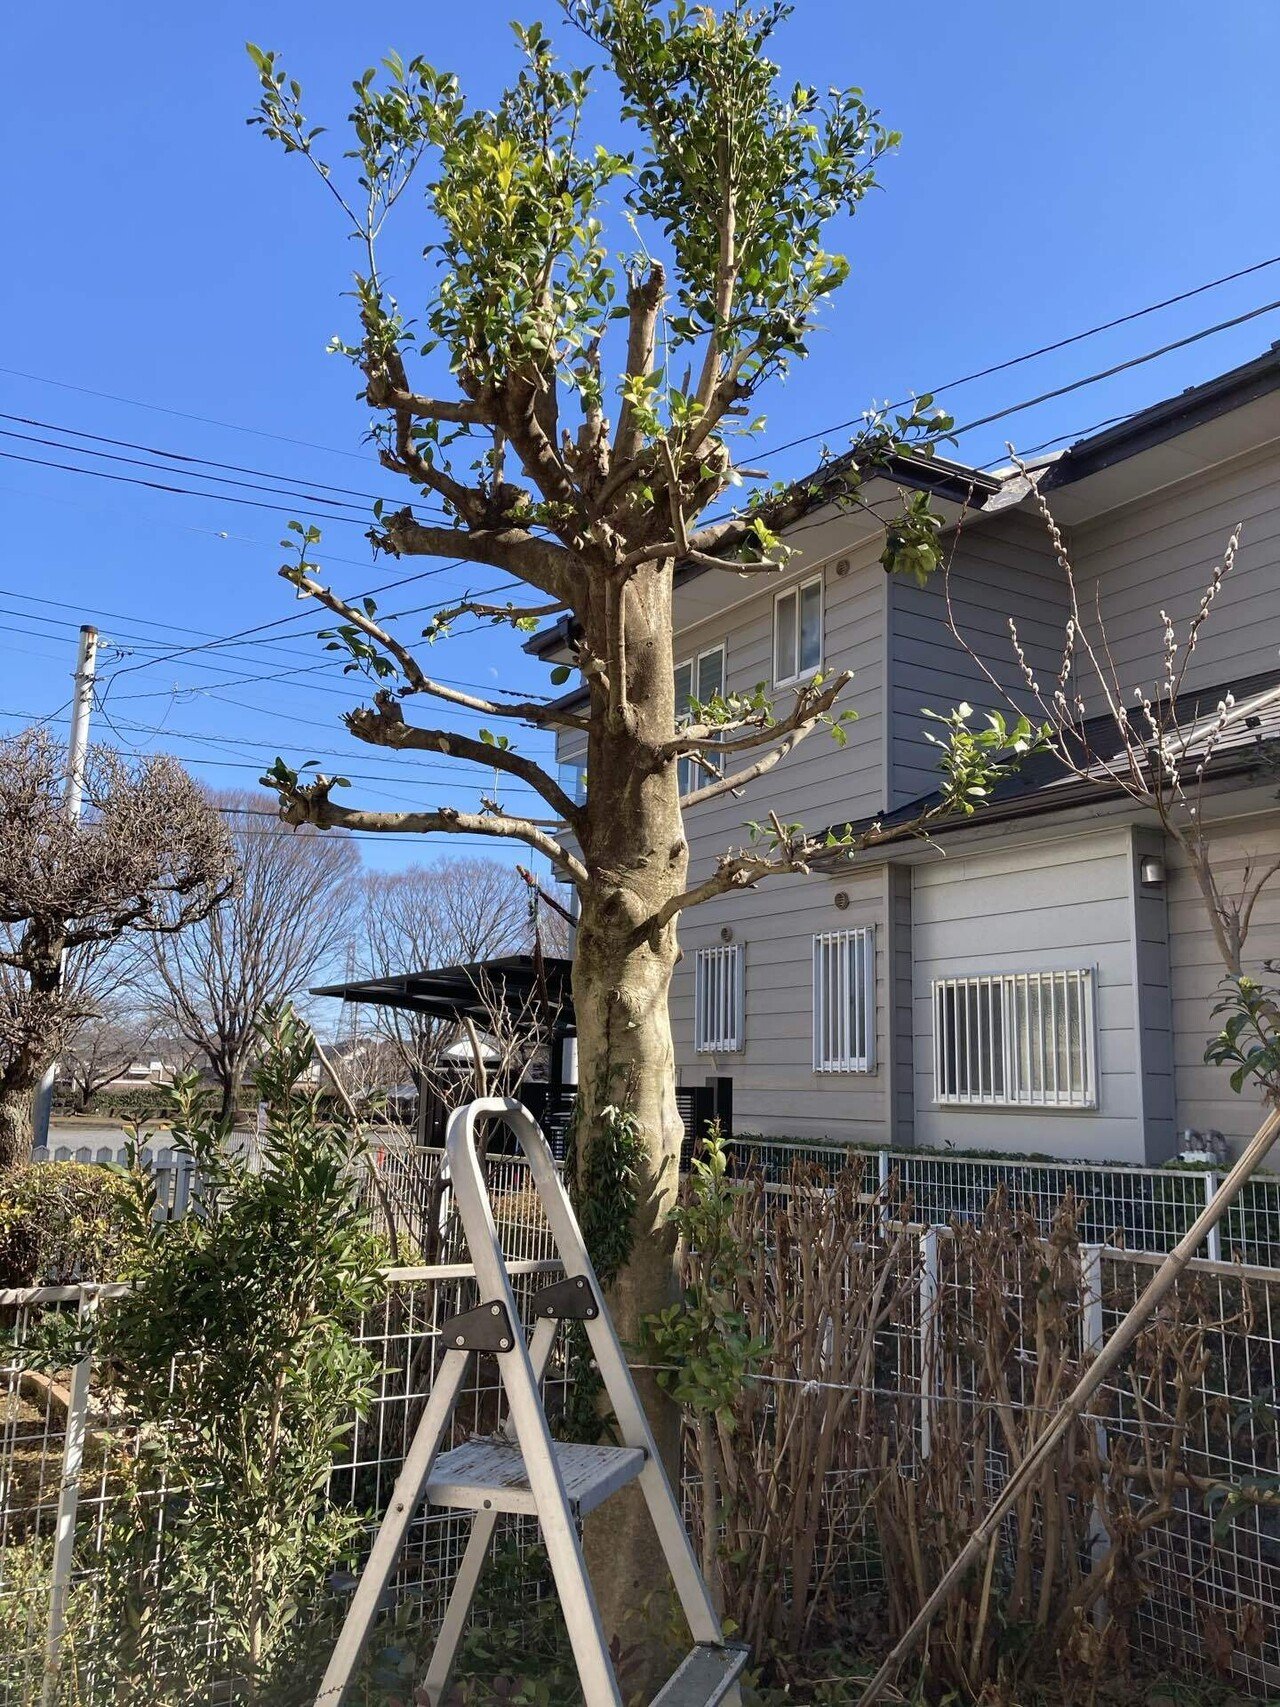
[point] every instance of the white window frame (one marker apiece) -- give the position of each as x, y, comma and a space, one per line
1029, 1071
844, 1030
718, 999
795, 591
691, 774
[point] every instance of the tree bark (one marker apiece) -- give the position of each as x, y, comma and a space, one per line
16, 1104
635, 851
31, 1053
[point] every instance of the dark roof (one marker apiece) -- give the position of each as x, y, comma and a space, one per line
1193, 407
1042, 785
458, 992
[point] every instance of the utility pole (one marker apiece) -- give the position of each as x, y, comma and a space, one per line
77, 750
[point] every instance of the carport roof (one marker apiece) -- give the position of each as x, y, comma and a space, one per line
464, 992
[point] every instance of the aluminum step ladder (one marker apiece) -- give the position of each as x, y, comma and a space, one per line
524, 1470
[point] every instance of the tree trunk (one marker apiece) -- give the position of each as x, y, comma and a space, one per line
635, 851
229, 1080
16, 1104
34, 1049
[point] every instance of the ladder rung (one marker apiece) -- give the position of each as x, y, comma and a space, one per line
485, 1475
703, 1678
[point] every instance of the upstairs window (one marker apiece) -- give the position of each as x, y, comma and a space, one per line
844, 1001
571, 774
797, 631
1018, 1040
717, 1000
699, 678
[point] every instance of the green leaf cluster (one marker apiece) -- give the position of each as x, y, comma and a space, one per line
702, 1343
236, 1357
1249, 1041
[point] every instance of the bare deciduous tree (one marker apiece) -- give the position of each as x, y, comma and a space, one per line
452, 913
148, 857
286, 917
1157, 745
104, 1045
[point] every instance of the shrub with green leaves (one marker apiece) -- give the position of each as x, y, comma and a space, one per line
62, 1222
236, 1352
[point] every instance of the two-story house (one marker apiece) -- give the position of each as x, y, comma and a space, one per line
1039, 977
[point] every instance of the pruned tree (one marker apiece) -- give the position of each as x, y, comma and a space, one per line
588, 483
149, 857
287, 916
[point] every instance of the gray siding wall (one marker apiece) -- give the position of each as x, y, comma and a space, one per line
1035, 907
775, 1089
1001, 568
901, 1059
820, 783
1205, 1100
1155, 1036
1159, 555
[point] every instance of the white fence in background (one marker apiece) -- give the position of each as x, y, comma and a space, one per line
1136, 1209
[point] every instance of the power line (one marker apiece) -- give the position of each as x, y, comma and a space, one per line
1044, 349
453, 770
231, 671
331, 509
187, 457
163, 486
182, 414
1118, 368
1043, 397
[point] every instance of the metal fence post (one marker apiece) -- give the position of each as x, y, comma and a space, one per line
929, 1275
1213, 1244
68, 1502
884, 1161
1092, 1335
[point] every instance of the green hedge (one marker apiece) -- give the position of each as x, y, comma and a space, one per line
61, 1222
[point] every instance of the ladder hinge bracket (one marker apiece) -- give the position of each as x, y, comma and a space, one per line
486, 1328
569, 1300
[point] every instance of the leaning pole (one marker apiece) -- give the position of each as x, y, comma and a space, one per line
1107, 1361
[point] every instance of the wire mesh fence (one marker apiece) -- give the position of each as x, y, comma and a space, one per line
1176, 1466
1132, 1208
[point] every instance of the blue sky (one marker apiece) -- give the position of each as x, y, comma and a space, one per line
1060, 166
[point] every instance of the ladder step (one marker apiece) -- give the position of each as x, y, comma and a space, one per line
490, 1475
703, 1678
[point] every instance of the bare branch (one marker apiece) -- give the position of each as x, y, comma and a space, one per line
540, 562
383, 725
310, 804
739, 779
539, 712
812, 702
645, 302
383, 393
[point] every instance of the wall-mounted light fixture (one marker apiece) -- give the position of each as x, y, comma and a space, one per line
842, 566
841, 899
1152, 871
726, 933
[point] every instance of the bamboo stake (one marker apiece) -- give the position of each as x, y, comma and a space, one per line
1107, 1361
